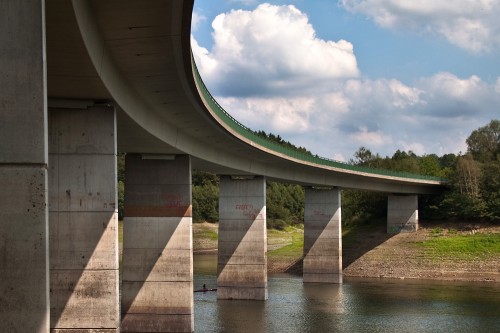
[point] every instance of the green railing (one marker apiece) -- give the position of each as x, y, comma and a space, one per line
271, 145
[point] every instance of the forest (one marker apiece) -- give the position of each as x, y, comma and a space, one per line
472, 193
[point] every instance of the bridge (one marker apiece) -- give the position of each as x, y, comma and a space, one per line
84, 79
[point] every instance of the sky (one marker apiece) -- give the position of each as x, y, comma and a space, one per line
336, 75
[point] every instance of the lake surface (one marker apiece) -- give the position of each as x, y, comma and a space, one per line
358, 305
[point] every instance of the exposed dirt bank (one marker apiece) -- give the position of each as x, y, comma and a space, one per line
376, 254
371, 252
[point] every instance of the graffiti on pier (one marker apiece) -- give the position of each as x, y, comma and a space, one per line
173, 200
319, 213
248, 211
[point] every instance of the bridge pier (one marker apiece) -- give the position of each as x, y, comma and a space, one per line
242, 258
402, 213
83, 220
322, 236
157, 287
24, 260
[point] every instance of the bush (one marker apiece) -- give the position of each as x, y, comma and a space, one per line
277, 224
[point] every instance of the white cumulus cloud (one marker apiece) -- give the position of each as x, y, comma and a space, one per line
272, 49
196, 19
370, 138
447, 95
469, 24
268, 69
282, 115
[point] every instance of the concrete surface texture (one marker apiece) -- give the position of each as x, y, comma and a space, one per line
322, 236
157, 294
24, 290
402, 213
83, 221
242, 255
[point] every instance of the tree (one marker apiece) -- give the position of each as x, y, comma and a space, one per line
475, 177
484, 143
205, 197
284, 204
429, 165
362, 206
363, 156
468, 174
490, 189
206, 203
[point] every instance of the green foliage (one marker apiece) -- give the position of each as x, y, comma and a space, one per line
463, 247
429, 165
436, 231
277, 224
475, 177
484, 143
205, 197
365, 157
362, 206
207, 234
490, 188
284, 202
474, 180
294, 249
121, 199
284, 205
279, 140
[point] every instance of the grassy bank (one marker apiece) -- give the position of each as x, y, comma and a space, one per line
467, 251
450, 243
445, 251
285, 249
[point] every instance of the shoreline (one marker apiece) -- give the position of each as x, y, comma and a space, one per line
372, 253
277, 267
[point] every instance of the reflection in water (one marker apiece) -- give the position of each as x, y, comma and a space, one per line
241, 316
356, 306
321, 305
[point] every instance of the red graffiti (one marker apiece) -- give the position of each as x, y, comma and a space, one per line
248, 211
173, 200
320, 213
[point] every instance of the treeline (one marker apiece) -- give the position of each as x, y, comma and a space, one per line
284, 202
279, 140
475, 178
473, 187
473, 181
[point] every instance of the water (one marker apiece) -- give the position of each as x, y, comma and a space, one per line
359, 305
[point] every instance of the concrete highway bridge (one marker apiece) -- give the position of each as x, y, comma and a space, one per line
83, 79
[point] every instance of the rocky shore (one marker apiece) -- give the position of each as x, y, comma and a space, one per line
401, 256
371, 252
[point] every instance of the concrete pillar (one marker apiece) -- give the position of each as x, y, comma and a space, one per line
242, 258
83, 220
24, 289
322, 236
402, 213
157, 287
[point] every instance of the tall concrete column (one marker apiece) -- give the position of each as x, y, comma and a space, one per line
402, 213
157, 287
24, 289
322, 236
83, 221
242, 258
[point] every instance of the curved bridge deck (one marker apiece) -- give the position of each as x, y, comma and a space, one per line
83, 79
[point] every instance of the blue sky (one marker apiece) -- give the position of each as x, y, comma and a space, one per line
333, 76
